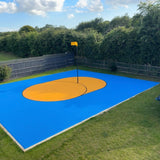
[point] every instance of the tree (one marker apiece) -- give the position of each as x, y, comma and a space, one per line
96, 24
136, 20
26, 29
120, 21
149, 32
114, 45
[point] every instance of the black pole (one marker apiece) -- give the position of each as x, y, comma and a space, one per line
77, 63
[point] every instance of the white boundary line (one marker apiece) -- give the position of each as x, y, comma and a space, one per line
5, 130
106, 110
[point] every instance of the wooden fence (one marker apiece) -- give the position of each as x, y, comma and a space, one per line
147, 70
28, 66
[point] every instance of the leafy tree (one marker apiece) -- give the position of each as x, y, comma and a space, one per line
120, 21
149, 32
113, 46
26, 29
96, 24
136, 21
12, 42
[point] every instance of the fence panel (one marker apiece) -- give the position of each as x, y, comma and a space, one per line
147, 70
29, 66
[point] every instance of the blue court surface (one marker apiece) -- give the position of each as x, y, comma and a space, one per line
32, 122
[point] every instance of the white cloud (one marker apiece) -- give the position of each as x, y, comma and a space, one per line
70, 16
40, 7
38, 12
82, 3
99, 15
9, 7
95, 6
123, 3
37, 7
79, 11
91, 5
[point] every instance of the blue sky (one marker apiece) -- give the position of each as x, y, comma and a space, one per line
17, 13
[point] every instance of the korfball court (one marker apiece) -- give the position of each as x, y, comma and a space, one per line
35, 110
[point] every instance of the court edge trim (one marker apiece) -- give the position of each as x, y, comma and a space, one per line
45, 140
6, 131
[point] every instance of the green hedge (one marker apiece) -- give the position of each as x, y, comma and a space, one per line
133, 40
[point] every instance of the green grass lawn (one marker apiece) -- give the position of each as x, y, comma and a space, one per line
7, 56
130, 131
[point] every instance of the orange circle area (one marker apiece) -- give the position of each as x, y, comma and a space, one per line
63, 89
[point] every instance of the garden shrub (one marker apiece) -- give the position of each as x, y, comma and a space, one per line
5, 72
112, 66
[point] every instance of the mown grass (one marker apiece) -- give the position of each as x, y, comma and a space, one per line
7, 56
130, 131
